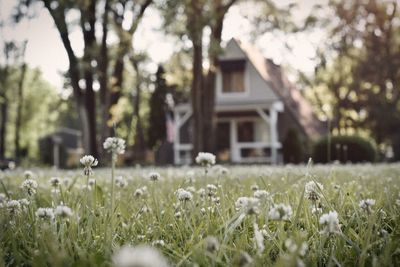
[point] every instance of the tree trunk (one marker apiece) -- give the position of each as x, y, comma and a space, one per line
18, 118
3, 125
140, 144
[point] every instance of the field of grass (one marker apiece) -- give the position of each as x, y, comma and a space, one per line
188, 217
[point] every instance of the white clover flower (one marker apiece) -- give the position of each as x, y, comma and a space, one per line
212, 244
249, 205
13, 206
183, 195
205, 159
45, 213
114, 145
211, 190
29, 174
66, 181
330, 221
55, 181
63, 211
254, 187
366, 204
138, 192
201, 192
160, 243
178, 214
311, 190
121, 182
260, 194
280, 212
154, 176
88, 161
139, 256
258, 239
245, 259
315, 210
24, 202
29, 185
92, 182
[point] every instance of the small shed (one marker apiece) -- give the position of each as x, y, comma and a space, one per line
61, 149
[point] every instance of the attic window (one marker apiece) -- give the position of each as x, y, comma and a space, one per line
232, 76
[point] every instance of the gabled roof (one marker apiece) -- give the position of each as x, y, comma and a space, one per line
294, 101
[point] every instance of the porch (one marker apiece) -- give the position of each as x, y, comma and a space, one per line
244, 134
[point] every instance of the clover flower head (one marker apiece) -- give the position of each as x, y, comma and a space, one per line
89, 161
45, 213
249, 205
330, 221
261, 194
121, 182
366, 204
212, 244
141, 255
114, 145
183, 195
311, 190
280, 212
13, 206
92, 182
154, 176
63, 211
29, 185
29, 174
55, 181
205, 159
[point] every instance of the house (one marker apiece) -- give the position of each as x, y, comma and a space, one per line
255, 107
61, 149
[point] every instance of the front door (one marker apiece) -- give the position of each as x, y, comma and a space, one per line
223, 141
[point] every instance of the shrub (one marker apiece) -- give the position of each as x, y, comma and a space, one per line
292, 148
345, 149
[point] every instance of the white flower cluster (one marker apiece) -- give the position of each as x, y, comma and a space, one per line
13, 206
154, 176
29, 174
366, 204
55, 181
258, 239
88, 161
114, 145
261, 194
121, 182
63, 211
141, 255
205, 159
212, 244
249, 205
183, 195
280, 212
29, 185
311, 190
330, 221
45, 213
140, 191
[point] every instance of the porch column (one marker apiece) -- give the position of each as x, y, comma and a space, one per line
177, 138
235, 154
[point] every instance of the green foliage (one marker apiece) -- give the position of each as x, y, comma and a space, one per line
88, 238
345, 149
157, 127
292, 147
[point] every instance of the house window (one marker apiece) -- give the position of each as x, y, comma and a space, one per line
233, 76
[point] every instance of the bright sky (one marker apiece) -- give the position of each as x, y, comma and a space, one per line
45, 49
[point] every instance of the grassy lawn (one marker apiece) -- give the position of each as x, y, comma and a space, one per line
229, 216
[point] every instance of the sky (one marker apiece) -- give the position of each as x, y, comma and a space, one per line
45, 49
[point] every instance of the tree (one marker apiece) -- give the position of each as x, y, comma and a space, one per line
157, 124
96, 65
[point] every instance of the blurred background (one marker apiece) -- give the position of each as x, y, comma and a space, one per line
311, 78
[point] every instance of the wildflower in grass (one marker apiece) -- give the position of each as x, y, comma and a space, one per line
92, 182
245, 260
29, 186
316, 210
45, 213
138, 192
260, 194
258, 239
63, 211
29, 174
160, 243
24, 202
311, 190
249, 205
190, 177
13, 206
114, 145
203, 211
55, 181
205, 159
66, 181
366, 205
88, 161
211, 190
120, 182
330, 222
212, 244
183, 195
154, 176
178, 214
280, 212
254, 187
139, 256
191, 189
